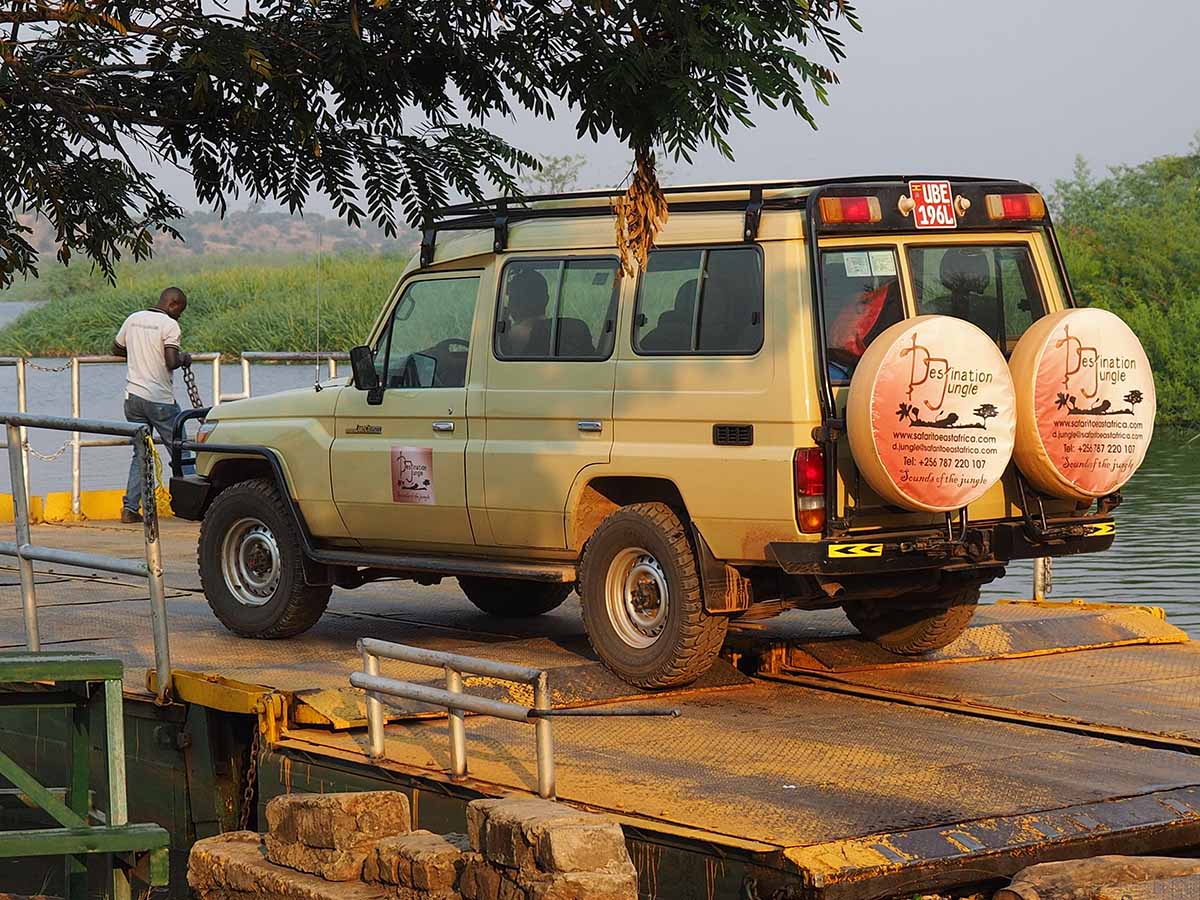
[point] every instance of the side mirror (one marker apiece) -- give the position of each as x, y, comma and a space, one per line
365, 376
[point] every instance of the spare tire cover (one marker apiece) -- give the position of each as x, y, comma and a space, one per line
1085, 403
931, 414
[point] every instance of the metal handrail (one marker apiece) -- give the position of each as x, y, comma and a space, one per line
26, 552
457, 702
77, 443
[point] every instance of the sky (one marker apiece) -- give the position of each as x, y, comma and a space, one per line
968, 87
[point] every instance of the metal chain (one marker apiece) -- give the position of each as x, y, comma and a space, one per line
251, 777
189, 381
47, 457
33, 365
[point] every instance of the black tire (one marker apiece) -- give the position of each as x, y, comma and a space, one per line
911, 626
513, 598
685, 640
285, 605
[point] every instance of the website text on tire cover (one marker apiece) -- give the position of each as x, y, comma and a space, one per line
672, 444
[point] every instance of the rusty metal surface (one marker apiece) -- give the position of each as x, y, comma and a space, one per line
791, 766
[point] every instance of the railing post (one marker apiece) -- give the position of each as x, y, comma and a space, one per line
76, 508
332, 367
216, 380
154, 572
118, 810
1041, 578
16, 472
545, 738
374, 708
458, 728
23, 407
245, 377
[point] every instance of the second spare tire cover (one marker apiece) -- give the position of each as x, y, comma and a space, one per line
931, 414
1085, 403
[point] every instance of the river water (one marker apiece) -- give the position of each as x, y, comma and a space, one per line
1152, 562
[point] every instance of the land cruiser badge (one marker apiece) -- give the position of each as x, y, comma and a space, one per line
412, 475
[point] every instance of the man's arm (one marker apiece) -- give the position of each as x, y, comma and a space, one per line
118, 350
175, 357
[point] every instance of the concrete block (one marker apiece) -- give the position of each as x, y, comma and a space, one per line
1083, 879
234, 867
419, 860
582, 847
514, 824
331, 864
338, 821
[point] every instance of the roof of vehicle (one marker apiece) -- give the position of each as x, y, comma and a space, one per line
497, 214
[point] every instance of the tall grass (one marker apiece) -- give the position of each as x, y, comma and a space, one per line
251, 302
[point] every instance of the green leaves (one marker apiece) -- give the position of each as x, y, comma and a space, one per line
376, 105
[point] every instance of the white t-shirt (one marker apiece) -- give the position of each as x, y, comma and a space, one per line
144, 335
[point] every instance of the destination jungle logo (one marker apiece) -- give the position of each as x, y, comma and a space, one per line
935, 381
1086, 372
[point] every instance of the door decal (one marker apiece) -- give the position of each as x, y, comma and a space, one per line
412, 475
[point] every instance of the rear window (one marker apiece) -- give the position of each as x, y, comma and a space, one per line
993, 287
860, 290
707, 301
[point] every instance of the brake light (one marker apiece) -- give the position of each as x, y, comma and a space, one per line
1015, 206
850, 210
810, 489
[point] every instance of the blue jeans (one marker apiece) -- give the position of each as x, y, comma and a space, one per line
157, 415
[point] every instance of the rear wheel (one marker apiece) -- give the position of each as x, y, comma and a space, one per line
641, 599
917, 624
252, 565
512, 598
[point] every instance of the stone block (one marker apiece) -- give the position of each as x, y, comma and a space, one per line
338, 821
419, 860
477, 813
583, 847
332, 865
514, 824
234, 866
480, 880
1083, 879
600, 885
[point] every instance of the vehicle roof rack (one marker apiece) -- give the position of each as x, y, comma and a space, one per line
498, 213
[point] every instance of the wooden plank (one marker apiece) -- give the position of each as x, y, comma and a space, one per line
96, 839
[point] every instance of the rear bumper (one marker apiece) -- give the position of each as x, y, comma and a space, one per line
982, 546
189, 496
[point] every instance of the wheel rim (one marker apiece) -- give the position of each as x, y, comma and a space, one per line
636, 597
250, 562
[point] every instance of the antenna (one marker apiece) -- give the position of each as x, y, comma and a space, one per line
320, 250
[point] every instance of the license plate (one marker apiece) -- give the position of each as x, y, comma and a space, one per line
933, 204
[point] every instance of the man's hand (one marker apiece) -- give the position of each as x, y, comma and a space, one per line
175, 358
118, 350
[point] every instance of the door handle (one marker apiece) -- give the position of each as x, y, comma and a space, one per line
589, 425
443, 426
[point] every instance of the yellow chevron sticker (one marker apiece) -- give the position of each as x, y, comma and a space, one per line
851, 551
1101, 528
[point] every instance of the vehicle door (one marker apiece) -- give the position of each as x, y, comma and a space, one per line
549, 392
398, 458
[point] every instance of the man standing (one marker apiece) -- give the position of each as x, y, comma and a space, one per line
149, 341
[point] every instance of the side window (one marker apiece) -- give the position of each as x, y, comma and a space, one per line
557, 309
860, 292
700, 301
426, 342
993, 287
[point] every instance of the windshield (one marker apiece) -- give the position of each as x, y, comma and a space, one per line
991, 286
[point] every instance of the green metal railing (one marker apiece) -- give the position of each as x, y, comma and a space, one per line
65, 681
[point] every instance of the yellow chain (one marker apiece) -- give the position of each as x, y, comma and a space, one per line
162, 495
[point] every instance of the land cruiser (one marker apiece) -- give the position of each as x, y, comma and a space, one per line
671, 445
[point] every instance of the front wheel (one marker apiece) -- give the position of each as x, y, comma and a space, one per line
641, 599
252, 565
911, 626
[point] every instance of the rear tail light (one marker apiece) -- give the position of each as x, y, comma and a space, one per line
1015, 206
810, 489
850, 210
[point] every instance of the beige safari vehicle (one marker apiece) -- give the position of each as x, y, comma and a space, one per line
672, 445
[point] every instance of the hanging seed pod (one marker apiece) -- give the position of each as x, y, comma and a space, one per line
640, 214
